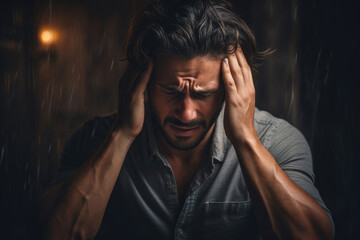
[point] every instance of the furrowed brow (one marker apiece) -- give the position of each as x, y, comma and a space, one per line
176, 89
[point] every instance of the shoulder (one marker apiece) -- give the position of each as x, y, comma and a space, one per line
270, 128
266, 125
283, 140
87, 139
84, 142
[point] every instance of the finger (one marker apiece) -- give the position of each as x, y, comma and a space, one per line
229, 83
144, 78
236, 71
246, 70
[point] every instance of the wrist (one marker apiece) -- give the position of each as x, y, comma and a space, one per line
122, 135
248, 146
248, 139
243, 137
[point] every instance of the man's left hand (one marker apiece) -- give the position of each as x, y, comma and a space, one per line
240, 98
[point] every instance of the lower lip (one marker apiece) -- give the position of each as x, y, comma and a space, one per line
183, 132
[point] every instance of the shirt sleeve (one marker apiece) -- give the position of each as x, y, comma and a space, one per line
290, 149
82, 145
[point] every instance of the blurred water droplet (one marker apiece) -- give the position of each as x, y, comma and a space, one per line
112, 64
71, 94
2, 155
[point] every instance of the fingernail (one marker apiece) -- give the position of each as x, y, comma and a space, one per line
226, 61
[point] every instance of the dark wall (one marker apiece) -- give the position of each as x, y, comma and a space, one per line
312, 82
46, 91
330, 116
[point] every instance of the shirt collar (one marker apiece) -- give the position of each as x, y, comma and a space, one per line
220, 143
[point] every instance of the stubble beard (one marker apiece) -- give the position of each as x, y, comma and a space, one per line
183, 143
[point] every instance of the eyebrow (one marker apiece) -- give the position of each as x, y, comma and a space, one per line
175, 89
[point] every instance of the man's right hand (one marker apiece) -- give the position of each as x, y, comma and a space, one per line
75, 207
131, 105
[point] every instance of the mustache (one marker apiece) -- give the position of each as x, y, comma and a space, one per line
177, 122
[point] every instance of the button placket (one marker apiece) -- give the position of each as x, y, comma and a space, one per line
180, 234
185, 217
169, 183
170, 190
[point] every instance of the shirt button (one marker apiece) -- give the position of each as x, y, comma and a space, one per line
169, 183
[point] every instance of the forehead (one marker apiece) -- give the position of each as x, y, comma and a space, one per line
202, 70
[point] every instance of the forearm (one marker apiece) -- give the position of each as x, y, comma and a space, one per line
283, 210
75, 208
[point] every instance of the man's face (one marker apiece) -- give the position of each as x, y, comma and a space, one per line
186, 98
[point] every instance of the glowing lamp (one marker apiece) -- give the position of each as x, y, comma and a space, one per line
47, 37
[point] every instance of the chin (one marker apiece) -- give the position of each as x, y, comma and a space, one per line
183, 143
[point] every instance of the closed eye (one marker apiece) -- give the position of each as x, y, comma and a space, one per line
202, 95
172, 92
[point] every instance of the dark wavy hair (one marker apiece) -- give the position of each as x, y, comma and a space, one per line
189, 28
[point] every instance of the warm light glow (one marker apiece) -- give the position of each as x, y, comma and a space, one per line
47, 36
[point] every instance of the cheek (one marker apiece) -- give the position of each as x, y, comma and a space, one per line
208, 108
217, 99
214, 103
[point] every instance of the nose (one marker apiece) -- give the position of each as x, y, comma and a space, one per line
187, 109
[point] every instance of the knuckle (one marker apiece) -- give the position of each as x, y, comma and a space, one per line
252, 91
247, 67
238, 71
250, 94
230, 84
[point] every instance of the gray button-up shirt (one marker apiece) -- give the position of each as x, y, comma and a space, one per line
144, 203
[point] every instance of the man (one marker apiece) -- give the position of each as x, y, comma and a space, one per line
187, 156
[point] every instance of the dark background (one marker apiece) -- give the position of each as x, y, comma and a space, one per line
46, 91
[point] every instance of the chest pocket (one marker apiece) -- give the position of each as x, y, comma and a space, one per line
228, 220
